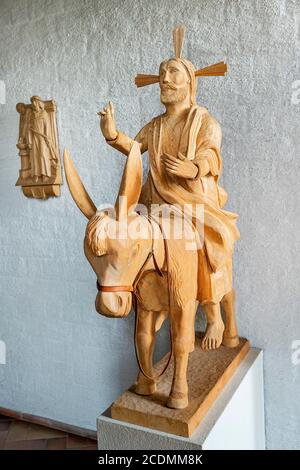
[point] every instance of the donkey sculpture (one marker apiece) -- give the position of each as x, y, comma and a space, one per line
160, 274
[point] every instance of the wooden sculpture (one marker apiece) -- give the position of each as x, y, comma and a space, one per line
166, 278
40, 174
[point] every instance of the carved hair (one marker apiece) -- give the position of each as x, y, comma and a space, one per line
96, 233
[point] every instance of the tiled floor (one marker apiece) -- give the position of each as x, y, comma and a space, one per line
19, 435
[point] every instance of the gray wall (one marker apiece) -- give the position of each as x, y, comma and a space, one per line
63, 360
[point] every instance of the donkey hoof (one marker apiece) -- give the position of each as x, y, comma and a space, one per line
231, 341
178, 400
145, 388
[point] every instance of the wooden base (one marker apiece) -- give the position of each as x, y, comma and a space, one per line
208, 373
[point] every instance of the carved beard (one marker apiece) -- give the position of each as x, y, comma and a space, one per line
173, 96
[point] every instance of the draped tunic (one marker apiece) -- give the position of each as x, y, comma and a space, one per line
40, 153
200, 142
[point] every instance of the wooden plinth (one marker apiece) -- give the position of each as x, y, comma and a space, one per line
208, 373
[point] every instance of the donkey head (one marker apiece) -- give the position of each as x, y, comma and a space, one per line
116, 245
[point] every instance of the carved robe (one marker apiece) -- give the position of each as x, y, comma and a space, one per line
200, 140
40, 152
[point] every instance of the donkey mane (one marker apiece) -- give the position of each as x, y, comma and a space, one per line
96, 233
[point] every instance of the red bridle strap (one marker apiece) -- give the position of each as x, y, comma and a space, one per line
114, 288
133, 290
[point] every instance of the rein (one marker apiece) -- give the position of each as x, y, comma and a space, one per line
132, 288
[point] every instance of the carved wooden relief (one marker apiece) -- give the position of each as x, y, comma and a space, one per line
40, 173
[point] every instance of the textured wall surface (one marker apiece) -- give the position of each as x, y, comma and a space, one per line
63, 360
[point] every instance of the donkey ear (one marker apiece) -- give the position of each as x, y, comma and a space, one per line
131, 184
77, 190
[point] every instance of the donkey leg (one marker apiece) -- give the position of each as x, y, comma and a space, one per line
215, 327
178, 397
230, 338
183, 341
145, 338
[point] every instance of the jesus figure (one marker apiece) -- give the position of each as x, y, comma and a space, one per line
185, 164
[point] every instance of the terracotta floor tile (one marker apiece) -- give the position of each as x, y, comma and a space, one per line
84, 448
77, 441
38, 444
35, 431
3, 436
21, 435
59, 443
4, 425
17, 431
91, 447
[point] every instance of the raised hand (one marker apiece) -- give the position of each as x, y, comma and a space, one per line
180, 167
107, 122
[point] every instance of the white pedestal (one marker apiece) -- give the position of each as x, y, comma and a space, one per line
235, 420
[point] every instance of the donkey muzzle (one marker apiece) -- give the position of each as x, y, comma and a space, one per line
113, 304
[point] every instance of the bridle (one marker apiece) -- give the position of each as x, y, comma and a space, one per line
133, 289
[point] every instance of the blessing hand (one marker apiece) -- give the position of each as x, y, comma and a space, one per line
180, 167
107, 122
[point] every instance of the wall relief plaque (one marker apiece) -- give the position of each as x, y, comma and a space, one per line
40, 173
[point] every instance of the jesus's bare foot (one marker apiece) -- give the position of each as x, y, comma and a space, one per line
213, 336
215, 327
